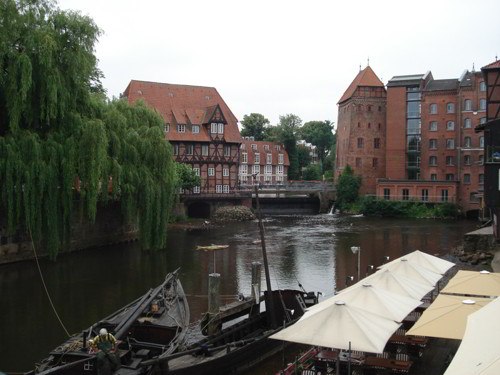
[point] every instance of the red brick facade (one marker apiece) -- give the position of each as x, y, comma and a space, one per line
265, 162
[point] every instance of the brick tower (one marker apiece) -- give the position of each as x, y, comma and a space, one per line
361, 135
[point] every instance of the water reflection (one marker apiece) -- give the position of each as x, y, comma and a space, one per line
86, 286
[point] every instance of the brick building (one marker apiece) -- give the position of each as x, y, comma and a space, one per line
262, 161
361, 135
430, 150
201, 128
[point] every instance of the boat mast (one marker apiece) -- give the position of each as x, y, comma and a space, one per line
270, 302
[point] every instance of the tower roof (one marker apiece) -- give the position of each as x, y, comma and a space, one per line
365, 77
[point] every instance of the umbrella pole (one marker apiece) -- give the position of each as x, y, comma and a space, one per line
337, 370
349, 362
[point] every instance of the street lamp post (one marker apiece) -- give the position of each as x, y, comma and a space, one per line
357, 249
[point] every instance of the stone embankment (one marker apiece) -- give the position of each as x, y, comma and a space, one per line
476, 258
233, 213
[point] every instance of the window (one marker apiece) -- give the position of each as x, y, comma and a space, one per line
482, 120
468, 105
166, 128
424, 195
450, 125
257, 158
176, 149
244, 169
449, 177
268, 169
195, 129
266, 147
279, 169
467, 123
406, 194
432, 160
254, 146
433, 126
369, 125
433, 144
481, 141
244, 157
281, 159
221, 128
361, 143
449, 160
375, 162
225, 172
482, 86
196, 190
481, 179
450, 108
256, 169
204, 150
227, 150
450, 144
387, 194
482, 104
444, 195
196, 171
279, 179
242, 147
225, 189
268, 178
189, 149
433, 109
369, 108
218, 188
467, 142
467, 178
181, 191
278, 147
211, 171
213, 128
376, 143
481, 159
467, 160
433, 177
269, 159
181, 128
473, 197
359, 125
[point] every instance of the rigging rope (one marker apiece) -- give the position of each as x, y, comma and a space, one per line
45, 286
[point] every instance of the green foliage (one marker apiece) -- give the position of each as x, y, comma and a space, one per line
347, 188
61, 141
303, 156
312, 172
380, 207
320, 134
186, 178
254, 126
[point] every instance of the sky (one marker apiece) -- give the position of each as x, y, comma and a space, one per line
287, 57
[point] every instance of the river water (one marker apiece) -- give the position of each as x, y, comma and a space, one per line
88, 285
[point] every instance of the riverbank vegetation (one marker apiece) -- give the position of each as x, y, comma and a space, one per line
62, 141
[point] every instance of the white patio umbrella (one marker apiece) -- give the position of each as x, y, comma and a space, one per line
374, 299
413, 271
479, 352
482, 283
446, 317
338, 325
431, 262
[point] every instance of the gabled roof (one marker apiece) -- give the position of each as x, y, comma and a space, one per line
365, 77
493, 65
188, 105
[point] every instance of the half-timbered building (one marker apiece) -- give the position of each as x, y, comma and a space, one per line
202, 130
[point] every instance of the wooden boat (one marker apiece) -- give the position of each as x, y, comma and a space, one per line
153, 325
212, 247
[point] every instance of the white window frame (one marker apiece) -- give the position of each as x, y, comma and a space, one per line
467, 142
279, 178
195, 129
481, 141
254, 146
433, 108
213, 128
281, 159
244, 169
482, 86
256, 169
225, 189
244, 157
211, 171
225, 172
220, 128
450, 107
450, 125
432, 160
218, 189
196, 190
433, 126
269, 159
467, 105
268, 178
175, 149
257, 158
189, 148
227, 150
166, 128
279, 169
196, 171
268, 169
266, 147
450, 144
278, 147
482, 104
181, 128
204, 150
467, 123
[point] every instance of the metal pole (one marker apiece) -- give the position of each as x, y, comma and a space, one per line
349, 362
359, 264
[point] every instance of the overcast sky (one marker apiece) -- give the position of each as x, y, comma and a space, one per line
278, 57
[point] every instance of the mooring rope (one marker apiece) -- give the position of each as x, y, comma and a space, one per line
45, 285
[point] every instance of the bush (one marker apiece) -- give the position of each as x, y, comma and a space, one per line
370, 206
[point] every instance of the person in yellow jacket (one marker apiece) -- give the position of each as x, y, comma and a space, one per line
105, 343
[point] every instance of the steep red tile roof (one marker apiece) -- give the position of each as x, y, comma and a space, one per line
365, 77
263, 153
188, 105
495, 64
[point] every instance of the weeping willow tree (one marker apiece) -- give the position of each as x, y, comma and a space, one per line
61, 140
